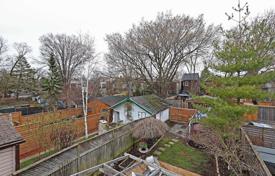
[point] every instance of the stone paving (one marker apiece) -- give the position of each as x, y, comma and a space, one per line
163, 148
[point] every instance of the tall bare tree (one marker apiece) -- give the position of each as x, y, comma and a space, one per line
3, 48
4, 75
118, 63
156, 49
71, 52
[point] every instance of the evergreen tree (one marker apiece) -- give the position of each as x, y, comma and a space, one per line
22, 77
244, 62
53, 84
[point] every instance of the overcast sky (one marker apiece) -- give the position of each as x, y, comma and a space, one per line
27, 20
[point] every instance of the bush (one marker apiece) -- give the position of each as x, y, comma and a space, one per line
63, 135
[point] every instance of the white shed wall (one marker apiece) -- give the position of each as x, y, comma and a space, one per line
135, 111
163, 115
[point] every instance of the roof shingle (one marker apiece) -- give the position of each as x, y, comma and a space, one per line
152, 103
190, 76
112, 100
8, 134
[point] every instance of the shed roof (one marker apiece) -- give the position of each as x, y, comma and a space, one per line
152, 103
112, 100
8, 134
267, 154
190, 76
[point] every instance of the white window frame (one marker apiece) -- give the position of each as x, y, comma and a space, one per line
141, 115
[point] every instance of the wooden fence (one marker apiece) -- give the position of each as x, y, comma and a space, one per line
266, 114
37, 135
36, 128
83, 155
261, 136
181, 115
45, 116
251, 157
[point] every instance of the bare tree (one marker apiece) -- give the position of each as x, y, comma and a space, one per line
4, 76
85, 92
118, 63
229, 150
70, 51
3, 48
156, 49
22, 50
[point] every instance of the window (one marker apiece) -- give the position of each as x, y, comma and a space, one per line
141, 115
116, 117
186, 83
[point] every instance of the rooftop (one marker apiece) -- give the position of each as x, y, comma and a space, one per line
112, 100
152, 103
190, 76
267, 154
8, 134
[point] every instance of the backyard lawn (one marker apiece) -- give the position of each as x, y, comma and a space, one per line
183, 156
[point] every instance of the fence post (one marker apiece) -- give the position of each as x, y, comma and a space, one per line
78, 158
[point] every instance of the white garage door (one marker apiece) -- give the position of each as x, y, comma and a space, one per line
7, 161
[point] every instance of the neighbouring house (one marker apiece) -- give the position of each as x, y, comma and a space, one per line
190, 83
134, 108
9, 148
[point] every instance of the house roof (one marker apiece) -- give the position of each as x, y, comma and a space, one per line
184, 94
190, 76
152, 103
267, 154
112, 100
8, 134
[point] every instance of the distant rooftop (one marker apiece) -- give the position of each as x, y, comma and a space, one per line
8, 134
190, 76
112, 100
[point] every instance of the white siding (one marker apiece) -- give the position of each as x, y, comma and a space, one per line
135, 111
163, 115
7, 161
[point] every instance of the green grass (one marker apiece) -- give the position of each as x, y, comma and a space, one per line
184, 156
32, 160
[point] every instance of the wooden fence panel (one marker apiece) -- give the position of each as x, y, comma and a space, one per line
252, 158
85, 154
181, 115
266, 114
37, 135
261, 136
